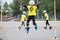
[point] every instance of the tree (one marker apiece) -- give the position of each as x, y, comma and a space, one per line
16, 7
5, 8
58, 9
46, 5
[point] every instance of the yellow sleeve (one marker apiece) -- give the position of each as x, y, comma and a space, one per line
46, 14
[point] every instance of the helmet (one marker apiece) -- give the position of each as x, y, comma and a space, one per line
31, 2
44, 11
24, 12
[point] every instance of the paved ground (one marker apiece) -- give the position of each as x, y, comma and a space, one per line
10, 31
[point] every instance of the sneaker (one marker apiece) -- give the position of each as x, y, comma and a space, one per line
50, 27
45, 28
36, 28
27, 29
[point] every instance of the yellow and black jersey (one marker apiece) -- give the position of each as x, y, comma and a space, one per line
23, 18
46, 16
31, 9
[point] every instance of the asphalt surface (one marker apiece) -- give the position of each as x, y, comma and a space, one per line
10, 31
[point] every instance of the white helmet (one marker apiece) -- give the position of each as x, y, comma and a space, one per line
31, 2
24, 12
44, 11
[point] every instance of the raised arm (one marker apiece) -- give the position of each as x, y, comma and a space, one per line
25, 6
37, 6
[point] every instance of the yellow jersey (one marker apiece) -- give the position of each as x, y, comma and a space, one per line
23, 18
47, 16
31, 10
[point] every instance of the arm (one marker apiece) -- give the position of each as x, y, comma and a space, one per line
37, 6
25, 6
